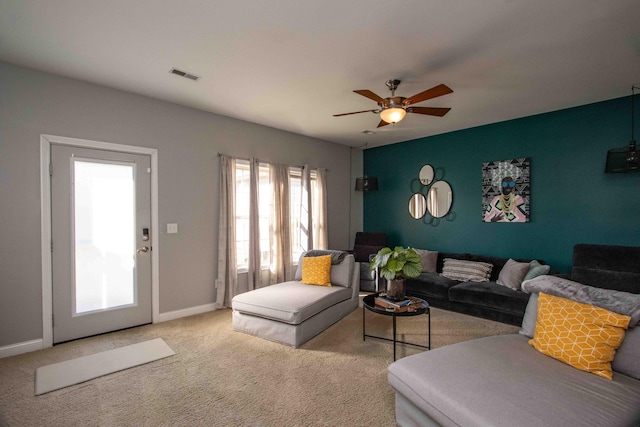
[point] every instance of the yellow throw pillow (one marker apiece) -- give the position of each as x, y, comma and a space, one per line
316, 270
581, 335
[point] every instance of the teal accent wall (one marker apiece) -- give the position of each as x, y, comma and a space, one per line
572, 199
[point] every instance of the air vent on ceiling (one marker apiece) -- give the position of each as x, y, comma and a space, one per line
184, 74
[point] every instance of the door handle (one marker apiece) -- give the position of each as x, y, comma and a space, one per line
143, 249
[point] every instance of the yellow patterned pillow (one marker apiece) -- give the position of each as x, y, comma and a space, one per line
581, 335
316, 270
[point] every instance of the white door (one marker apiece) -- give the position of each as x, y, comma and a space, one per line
101, 241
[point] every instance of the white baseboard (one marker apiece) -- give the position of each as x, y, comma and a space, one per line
172, 315
19, 348
27, 346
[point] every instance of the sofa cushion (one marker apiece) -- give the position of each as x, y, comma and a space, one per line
607, 266
316, 270
503, 381
581, 335
490, 295
366, 273
512, 274
530, 316
430, 285
444, 255
536, 269
628, 354
289, 302
497, 263
362, 252
340, 273
463, 270
620, 302
370, 239
367, 277
429, 260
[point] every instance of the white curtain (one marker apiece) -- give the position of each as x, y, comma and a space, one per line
227, 282
306, 216
280, 236
254, 270
312, 228
320, 233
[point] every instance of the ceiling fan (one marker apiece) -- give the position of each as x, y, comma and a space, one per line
393, 109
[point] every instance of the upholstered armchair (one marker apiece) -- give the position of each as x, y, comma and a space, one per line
365, 247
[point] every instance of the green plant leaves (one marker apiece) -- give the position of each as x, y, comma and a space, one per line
398, 263
381, 258
411, 270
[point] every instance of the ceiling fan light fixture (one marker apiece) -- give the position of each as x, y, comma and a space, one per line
393, 109
393, 115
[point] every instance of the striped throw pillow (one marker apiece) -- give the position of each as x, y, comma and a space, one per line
466, 271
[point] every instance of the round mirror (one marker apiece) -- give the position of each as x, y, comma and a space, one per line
426, 175
417, 206
439, 199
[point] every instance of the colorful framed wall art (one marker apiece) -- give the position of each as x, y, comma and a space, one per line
506, 188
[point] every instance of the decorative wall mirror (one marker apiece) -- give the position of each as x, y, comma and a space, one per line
426, 175
417, 206
439, 199
431, 197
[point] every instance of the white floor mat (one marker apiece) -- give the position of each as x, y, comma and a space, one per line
64, 374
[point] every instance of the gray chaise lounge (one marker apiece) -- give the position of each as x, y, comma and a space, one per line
292, 313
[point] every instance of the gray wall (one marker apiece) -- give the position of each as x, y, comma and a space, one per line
357, 197
188, 140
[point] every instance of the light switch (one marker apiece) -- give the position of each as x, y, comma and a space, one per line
172, 228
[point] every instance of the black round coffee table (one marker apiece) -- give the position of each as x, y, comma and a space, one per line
368, 303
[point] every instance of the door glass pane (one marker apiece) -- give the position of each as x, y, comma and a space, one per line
104, 235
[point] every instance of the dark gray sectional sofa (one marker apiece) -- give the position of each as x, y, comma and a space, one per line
482, 299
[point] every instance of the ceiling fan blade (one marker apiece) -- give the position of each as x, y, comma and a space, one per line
382, 123
355, 112
367, 93
430, 111
434, 92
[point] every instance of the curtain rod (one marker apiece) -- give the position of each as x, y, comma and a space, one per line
248, 160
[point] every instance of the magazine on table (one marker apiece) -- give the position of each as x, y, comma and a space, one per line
408, 304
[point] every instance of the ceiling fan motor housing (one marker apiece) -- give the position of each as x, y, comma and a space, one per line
393, 102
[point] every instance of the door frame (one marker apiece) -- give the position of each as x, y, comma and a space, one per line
45, 222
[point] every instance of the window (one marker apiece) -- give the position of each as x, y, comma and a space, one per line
299, 226
243, 188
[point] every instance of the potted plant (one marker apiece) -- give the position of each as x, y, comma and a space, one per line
397, 265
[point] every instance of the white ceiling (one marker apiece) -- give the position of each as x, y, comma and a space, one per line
291, 64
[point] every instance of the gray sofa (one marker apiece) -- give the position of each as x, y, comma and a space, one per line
481, 299
504, 381
292, 313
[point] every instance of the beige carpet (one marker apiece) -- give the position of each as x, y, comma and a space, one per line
223, 378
